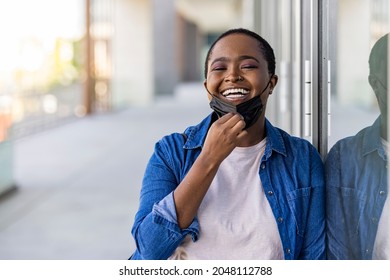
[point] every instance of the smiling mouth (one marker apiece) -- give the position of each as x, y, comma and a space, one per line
235, 93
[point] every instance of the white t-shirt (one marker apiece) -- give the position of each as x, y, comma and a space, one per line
236, 220
382, 240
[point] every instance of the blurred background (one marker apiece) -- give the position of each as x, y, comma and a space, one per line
88, 86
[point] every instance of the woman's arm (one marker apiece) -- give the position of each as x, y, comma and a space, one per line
220, 141
167, 211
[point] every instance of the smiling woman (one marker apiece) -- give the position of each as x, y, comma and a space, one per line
234, 179
235, 81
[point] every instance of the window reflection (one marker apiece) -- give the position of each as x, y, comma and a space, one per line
356, 165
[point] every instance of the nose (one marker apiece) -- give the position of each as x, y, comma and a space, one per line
233, 76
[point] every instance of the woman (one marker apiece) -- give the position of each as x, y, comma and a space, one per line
233, 186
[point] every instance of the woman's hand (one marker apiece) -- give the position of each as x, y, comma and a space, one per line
223, 137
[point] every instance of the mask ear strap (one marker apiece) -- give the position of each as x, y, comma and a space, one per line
269, 81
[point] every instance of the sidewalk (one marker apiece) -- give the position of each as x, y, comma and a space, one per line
78, 184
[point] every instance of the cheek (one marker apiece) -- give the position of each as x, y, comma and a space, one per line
212, 84
264, 98
208, 89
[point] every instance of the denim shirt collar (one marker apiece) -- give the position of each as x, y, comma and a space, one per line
372, 140
196, 136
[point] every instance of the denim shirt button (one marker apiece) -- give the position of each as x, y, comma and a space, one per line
280, 220
270, 193
382, 192
288, 251
262, 166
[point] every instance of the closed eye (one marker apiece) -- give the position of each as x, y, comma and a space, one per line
249, 66
218, 68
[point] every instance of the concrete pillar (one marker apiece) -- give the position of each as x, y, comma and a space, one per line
6, 145
165, 75
132, 53
6, 167
190, 42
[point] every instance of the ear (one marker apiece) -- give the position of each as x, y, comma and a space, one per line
273, 82
209, 96
205, 83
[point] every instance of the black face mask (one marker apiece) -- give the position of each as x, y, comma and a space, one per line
250, 109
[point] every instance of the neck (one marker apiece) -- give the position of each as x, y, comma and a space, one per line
256, 133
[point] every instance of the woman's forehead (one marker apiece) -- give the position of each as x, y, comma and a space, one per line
237, 43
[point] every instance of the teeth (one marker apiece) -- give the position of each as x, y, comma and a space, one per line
239, 91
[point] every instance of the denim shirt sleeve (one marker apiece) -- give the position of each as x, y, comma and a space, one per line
155, 230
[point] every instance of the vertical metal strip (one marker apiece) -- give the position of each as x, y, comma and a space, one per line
307, 99
320, 75
305, 68
296, 68
315, 70
324, 85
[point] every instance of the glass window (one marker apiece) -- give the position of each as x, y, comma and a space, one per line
358, 212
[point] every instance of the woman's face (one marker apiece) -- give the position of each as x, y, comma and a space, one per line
237, 70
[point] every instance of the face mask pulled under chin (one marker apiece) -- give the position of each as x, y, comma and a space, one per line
250, 110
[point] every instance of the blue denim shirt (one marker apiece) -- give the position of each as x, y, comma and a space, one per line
291, 172
356, 179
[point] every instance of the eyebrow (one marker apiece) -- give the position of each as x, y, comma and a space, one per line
243, 57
